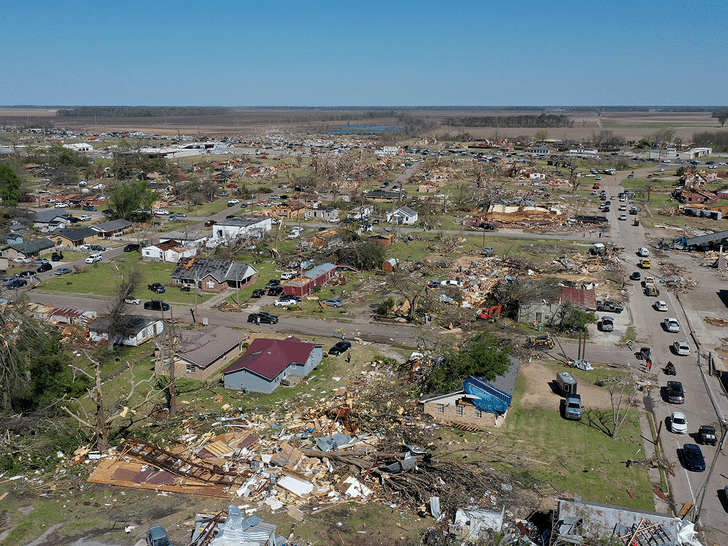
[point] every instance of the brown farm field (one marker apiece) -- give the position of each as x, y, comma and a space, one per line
630, 125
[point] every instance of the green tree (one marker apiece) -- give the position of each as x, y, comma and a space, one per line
570, 317
126, 198
9, 186
541, 135
480, 355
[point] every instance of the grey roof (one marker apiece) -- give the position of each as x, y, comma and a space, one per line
113, 225
31, 247
182, 236
204, 347
48, 215
128, 324
720, 236
76, 234
193, 269
244, 220
318, 271
507, 381
406, 210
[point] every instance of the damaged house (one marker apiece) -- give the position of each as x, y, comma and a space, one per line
213, 274
479, 404
546, 312
132, 330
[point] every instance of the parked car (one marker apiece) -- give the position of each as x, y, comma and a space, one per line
693, 458
275, 291
678, 423
63, 271
340, 347
681, 348
706, 435
84, 218
93, 258
623, 217
156, 305
609, 307
16, 283
675, 392
290, 297
258, 292
131, 300
90, 208
210, 223
334, 302
26, 274
283, 303
157, 536
22, 260
56, 256
672, 325
157, 288
131, 247
643, 252
272, 283
572, 407
661, 306
263, 317
606, 324
635, 276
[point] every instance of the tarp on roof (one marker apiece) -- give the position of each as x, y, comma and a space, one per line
486, 397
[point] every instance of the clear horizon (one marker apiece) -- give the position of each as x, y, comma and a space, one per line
334, 54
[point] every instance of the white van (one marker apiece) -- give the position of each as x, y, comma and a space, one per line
287, 275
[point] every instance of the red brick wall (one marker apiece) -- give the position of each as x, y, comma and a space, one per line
468, 418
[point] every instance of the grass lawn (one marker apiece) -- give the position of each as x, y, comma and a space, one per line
541, 448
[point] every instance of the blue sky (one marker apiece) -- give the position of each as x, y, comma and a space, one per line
374, 53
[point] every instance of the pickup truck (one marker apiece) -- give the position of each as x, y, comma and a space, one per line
609, 307
572, 407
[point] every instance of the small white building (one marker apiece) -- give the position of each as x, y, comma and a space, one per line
403, 216
81, 147
324, 214
132, 330
168, 251
243, 227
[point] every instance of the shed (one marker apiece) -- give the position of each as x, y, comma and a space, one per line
113, 227
390, 264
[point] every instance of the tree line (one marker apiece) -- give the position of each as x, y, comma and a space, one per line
718, 140
142, 111
542, 120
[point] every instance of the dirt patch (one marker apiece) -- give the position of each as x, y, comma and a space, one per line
539, 392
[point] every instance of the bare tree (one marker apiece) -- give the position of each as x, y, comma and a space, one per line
622, 394
101, 422
128, 283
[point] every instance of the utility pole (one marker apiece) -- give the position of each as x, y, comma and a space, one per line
724, 430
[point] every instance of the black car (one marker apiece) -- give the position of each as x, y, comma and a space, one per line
258, 293
263, 317
44, 267
487, 227
635, 276
275, 291
90, 208
693, 458
97, 248
340, 347
131, 247
26, 274
230, 217
272, 283
56, 256
16, 283
675, 393
157, 288
706, 435
290, 298
156, 305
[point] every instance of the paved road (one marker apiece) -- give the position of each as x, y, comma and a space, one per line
705, 400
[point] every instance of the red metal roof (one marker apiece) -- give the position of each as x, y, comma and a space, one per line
269, 357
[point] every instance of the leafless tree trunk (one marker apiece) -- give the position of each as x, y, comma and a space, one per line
127, 285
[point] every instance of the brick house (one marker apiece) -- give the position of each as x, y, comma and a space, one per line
305, 284
480, 404
213, 274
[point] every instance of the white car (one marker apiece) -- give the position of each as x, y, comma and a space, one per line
678, 423
661, 305
283, 303
643, 252
21, 260
681, 348
84, 218
672, 325
93, 258
623, 217
61, 205
132, 300
161, 212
